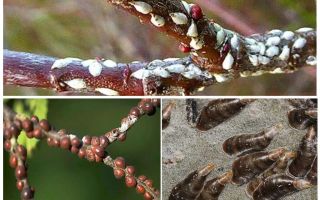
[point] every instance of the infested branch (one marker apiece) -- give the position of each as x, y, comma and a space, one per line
31, 70
93, 148
225, 53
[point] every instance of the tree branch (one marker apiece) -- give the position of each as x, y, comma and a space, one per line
90, 147
31, 70
225, 53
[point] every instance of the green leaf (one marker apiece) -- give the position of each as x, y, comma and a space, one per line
38, 107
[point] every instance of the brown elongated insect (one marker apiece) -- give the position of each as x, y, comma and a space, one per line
312, 176
218, 111
166, 114
306, 154
249, 142
248, 166
189, 188
213, 188
279, 185
300, 118
278, 167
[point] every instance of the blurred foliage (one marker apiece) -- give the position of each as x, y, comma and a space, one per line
29, 107
87, 29
57, 174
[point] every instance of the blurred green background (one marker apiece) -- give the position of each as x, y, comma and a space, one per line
87, 29
58, 174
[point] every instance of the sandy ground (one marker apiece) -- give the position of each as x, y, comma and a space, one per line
191, 149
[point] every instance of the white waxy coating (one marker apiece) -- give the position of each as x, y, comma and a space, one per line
262, 48
311, 60
109, 63
87, 63
263, 60
157, 20
141, 7
159, 71
196, 43
175, 68
192, 30
220, 78
107, 91
272, 51
277, 71
255, 48
95, 68
141, 73
228, 62
299, 43
179, 18
220, 37
304, 30
288, 35
273, 41
254, 60
234, 41
285, 53
61, 63
250, 41
275, 32
171, 59
77, 83
186, 6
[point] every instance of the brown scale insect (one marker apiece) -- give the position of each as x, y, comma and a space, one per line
166, 114
300, 118
250, 142
303, 114
213, 188
306, 154
312, 176
218, 111
189, 188
278, 186
278, 167
248, 166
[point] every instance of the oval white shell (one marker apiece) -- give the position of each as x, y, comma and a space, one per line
95, 69
196, 43
157, 20
220, 78
254, 60
275, 32
186, 6
141, 7
159, 71
220, 37
76, 83
234, 41
228, 62
273, 41
61, 63
288, 35
303, 30
262, 48
285, 53
263, 60
175, 68
255, 48
141, 74
311, 60
107, 91
192, 30
109, 63
272, 51
87, 63
299, 43
179, 18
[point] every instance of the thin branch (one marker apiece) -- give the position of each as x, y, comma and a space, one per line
91, 148
31, 70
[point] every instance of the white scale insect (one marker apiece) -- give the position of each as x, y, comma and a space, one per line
61, 63
141, 7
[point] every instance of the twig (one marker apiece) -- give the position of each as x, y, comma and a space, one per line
91, 148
